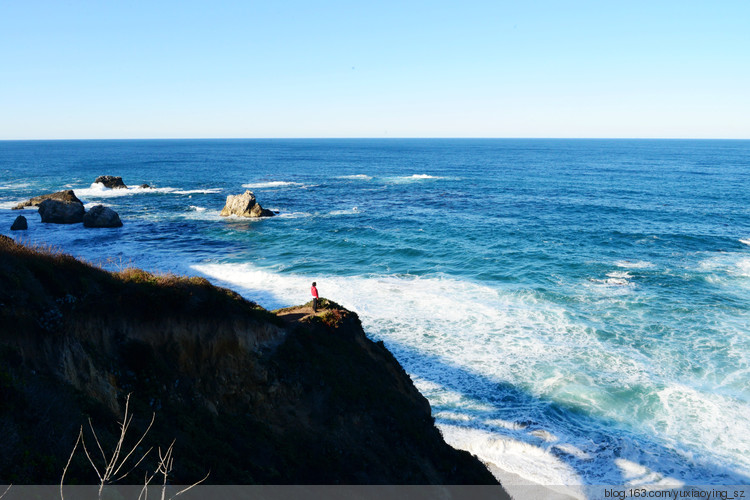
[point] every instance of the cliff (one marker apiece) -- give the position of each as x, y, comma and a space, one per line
248, 395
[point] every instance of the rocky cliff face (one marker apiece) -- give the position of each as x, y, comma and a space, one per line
251, 396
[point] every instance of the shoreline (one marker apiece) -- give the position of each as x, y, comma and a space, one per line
520, 488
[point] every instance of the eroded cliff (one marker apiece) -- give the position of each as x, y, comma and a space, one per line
251, 396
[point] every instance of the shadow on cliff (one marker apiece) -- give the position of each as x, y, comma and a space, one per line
546, 429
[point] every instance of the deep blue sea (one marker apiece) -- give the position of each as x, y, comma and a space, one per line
576, 311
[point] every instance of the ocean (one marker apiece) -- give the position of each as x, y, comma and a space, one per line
576, 311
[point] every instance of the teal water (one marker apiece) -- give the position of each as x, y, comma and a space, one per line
576, 311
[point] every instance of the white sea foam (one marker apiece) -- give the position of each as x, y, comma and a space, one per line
726, 267
517, 457
98, 190
20, 185
638, 264
619, 274
745, 241
361, 177
350, 211
636, 474
727, 419
202, 213
617, 278
13, 203
403, 179
294, 215
192, 191
742, 268
614, 280
459, 339
270, 184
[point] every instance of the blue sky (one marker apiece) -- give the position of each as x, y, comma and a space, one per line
105, 69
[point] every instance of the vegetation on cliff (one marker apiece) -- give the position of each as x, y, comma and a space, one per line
249, 395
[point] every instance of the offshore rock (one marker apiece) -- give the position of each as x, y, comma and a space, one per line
19, 224
60, 212
111, 182
67, 196
101, 216
244, 205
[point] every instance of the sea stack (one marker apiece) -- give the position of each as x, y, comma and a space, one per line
244, 205
67, 196
19, 224
101, 216
110, 181
61, 212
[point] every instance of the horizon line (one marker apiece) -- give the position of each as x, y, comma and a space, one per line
374, 138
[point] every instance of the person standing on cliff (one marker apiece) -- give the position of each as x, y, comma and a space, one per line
314, 292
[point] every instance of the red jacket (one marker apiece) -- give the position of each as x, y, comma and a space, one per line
314, 292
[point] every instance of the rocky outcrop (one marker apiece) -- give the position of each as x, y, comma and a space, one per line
67, 196
101, 216
19, 224
61, 212
144, 186
110, 181
246, 394
244, 205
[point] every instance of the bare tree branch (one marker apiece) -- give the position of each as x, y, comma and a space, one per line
191, 486
115, 463
65, 470
96, 438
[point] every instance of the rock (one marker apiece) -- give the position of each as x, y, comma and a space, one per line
60, 212
19, 224
111, 182
251, 397
145, 186
244, 205
66, 196
101, 216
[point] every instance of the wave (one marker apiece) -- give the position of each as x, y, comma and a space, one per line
451, 334
412, 178
193, 191
638, 264
98, 190
14, 186
194, 212
270, 184
294, 215
725, 268
511, 456
351, 211
745, 241
13, 203
362, 177
619, 278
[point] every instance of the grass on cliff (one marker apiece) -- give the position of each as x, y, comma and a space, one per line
41, 286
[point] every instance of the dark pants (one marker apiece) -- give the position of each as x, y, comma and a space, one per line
315, 304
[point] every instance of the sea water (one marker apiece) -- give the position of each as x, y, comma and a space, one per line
576, 311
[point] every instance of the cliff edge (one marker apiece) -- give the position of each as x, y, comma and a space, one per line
250, 396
